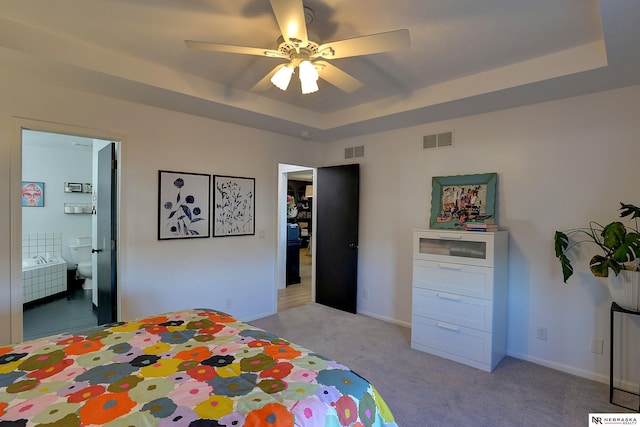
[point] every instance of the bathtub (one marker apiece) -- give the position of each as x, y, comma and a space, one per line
42, 280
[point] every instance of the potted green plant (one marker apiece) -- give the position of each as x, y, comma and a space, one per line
619, 247
292, 208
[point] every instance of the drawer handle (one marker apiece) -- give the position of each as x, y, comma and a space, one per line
449, 267
451, 237
448, 296
447, 326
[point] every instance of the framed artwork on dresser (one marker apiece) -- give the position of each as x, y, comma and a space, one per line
458, 199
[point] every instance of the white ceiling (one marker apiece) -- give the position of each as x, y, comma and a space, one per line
466, 56
37, 139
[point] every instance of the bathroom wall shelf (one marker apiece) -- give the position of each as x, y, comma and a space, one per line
77, 187
77, 208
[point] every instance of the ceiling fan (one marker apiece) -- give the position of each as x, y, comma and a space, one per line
309, 56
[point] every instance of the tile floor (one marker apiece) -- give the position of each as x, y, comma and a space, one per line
68, 313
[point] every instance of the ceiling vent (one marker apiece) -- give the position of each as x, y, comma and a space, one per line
437, 140
352, 152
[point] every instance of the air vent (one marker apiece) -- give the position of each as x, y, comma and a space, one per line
351, 152
437, 140
348, 153
429, 141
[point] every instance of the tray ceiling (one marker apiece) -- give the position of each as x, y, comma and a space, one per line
466, 57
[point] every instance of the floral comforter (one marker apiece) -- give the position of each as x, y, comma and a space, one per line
191, 368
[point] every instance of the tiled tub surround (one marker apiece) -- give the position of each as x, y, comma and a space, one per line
44, 280
46, 273
35, 244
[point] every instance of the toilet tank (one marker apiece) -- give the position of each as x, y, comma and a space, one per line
81, 249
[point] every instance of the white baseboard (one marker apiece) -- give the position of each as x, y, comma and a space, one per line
627, 385
386, 319
258, 316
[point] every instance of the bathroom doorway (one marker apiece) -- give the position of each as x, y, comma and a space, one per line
67, 233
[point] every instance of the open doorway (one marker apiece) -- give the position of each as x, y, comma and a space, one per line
334, 238
56, 286
296, 281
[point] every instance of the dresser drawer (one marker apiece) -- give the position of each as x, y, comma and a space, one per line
457, 309
453, 278
460, 247
446, 339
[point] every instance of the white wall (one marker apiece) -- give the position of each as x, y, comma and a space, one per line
560, 164
162, 275
54, 164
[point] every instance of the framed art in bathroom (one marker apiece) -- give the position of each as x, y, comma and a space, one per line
33, 194
183, 205
461, 198
233, 206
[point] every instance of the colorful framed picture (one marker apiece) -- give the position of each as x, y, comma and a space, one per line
184, 201
461, 198
233, 206
32, 194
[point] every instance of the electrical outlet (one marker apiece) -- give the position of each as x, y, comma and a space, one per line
365, 293
227, 303
542, 333
596, 346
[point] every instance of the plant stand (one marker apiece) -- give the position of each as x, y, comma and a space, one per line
615, 307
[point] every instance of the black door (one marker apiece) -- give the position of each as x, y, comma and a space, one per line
106, 241
336, 234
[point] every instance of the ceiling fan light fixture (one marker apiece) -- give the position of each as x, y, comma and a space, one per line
308, 77
282, 77
308, 86
308, 71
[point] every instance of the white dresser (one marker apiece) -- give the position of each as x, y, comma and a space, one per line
460, 295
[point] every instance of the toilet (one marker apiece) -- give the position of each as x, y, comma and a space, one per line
81, 255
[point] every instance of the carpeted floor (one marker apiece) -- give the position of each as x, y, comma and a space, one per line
425, 390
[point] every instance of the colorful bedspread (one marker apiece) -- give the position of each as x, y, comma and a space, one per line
191, 368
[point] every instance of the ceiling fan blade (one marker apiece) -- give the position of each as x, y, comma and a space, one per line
291, 20
337, 77
216, 47
365, 45
265, 83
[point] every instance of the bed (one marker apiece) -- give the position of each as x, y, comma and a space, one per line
191, 368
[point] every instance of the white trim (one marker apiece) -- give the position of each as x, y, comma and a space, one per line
385, 319
561, 367
15, 152
281, 217
15, 223
259, 316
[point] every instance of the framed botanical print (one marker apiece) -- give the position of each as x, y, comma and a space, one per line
183, 205
233, 206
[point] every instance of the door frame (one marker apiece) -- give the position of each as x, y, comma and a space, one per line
15, 220
281, 261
